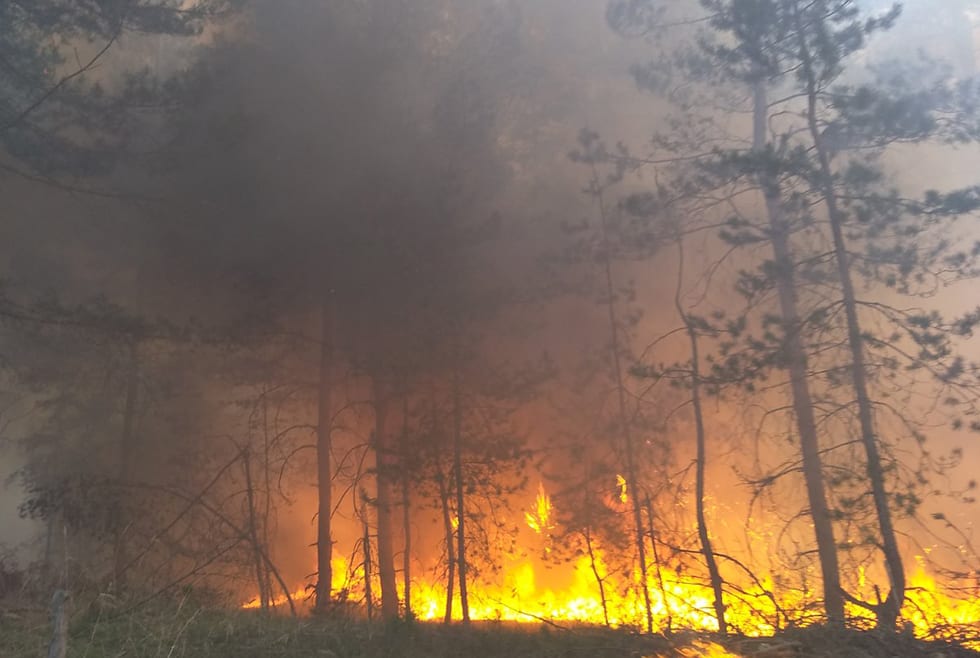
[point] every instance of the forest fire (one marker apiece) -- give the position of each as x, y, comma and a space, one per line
679, 600
618, 314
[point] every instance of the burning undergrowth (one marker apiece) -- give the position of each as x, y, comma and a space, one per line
549, 577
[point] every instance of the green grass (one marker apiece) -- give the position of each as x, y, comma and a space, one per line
196, 632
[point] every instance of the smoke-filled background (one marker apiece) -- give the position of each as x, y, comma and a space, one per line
500, 273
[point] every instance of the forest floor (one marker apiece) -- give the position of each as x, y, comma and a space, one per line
187, 632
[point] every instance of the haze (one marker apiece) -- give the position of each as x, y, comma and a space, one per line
419, 307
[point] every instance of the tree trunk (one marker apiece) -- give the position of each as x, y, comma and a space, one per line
887, 611
384, 471
261, 577
714, 575
600, 581
658, 566
49, 549
366, 549
797, 364
447, 522
407, 556
464, 603
59, 625
267, 487
709, 554
324, 467
624, 420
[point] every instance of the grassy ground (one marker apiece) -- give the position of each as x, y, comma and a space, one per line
195, 632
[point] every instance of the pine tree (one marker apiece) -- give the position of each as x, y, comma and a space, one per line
59, 115
817, 157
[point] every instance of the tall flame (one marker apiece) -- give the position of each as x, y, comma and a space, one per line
539, 519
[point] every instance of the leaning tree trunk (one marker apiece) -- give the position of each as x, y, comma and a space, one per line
887, 611
797, 363
709, 555
714, 575
324, 468
599, 579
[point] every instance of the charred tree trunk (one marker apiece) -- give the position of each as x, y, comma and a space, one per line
447, 521
366, 549
458, 474
407, 557
324, 467
887, 611
384, 471
797, 365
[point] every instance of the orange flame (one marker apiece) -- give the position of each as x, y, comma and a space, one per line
677, 598
621, 484
702, 649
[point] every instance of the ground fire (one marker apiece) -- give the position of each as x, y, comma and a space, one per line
679, 601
